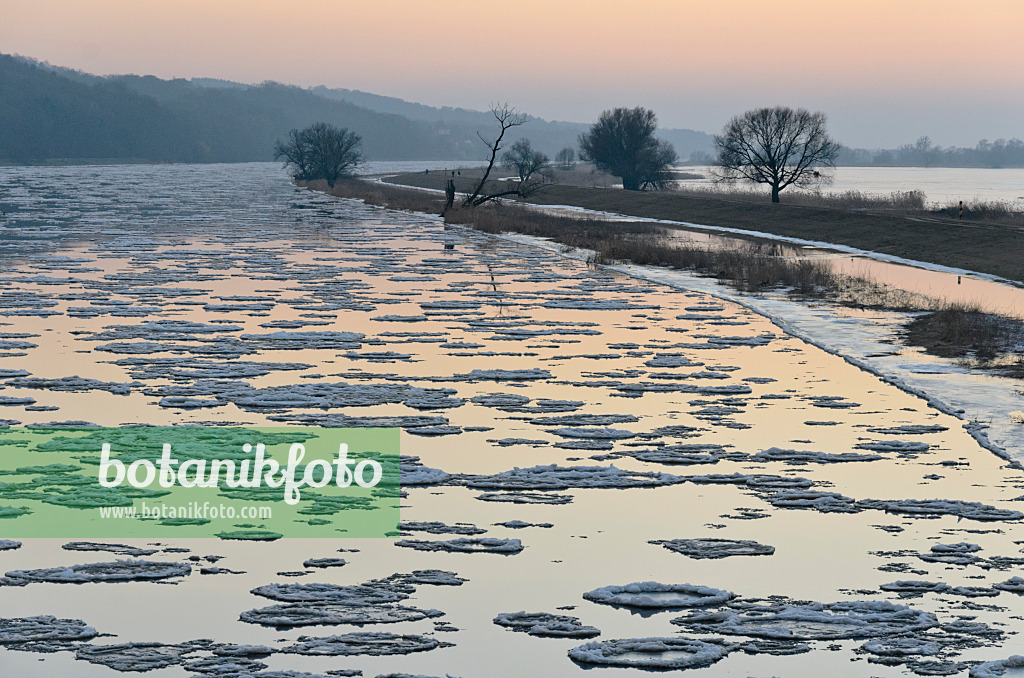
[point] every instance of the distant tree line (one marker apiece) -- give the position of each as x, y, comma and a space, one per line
923, 153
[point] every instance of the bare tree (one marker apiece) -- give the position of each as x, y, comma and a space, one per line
507, 117
523, 159
776, 146
622, 143
566, 158
320, 151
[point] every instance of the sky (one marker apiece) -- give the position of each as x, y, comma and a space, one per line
885, 72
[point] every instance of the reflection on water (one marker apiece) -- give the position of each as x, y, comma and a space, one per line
94, 256
964, 288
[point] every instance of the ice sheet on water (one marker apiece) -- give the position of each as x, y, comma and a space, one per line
823, 502
814, 621
808, 457
363, 643
554, 477
715, 548
119, 549
509, 442
1013, 585
465, 545
597, 433
323, 562
415, 473
652, 595
519, 524
437, 527
901, 647
997, 669
649, 653
680, 455
134, 656
72, 384
914, 587
293, 615
526, 497
597, 304
901, 447
14, 631
9, 545
300, 341
933, 507
546, 625
358, 595
531, 374
910, 429
117, 571
584, 419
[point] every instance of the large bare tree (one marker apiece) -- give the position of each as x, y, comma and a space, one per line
523, 159
622, 143
776, 146
507, 118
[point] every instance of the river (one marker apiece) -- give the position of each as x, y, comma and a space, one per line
639, 412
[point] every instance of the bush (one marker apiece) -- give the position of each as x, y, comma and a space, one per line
320, 151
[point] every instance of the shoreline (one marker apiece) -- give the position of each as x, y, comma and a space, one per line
868, 349
935, 242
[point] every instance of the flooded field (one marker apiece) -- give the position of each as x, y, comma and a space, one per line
600, 471
941, 185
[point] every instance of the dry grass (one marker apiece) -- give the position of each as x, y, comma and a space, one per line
905, 201
993, 212
957, 330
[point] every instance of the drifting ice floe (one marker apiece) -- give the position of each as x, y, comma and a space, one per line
934, 507
555, 477
715, 548
649, 653
526, 497
861, 619
436, 527
331, 614
365, 643
805, 457
44, 628
117, 571
361, 595
652, 595
119, 549
997, 669
473, 545
900, 647
544, 625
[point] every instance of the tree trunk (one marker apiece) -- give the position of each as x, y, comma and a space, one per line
775, 193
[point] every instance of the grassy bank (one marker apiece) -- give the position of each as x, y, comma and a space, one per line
975, 244
753, 267
977, 338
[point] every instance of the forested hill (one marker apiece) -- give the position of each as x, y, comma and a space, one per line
51, 113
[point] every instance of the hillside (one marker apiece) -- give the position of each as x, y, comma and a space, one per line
52, 113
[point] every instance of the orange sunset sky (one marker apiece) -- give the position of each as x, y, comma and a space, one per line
884, 71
